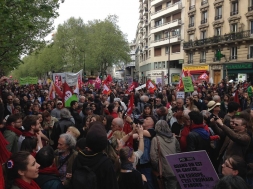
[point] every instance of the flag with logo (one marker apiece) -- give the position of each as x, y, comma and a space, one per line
108, 79
180, 86
150, 85
97, 83
106, 90
130, 105
204, 77
130, 88
68, 95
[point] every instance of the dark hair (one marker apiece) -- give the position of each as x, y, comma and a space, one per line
13, 118
18, 161
45, 114
29, 144
196, 117
108, 122
233, 106
29, 121
111, 107
239, 164
81, 143
125, 153
45, 157
72, 103
231, 182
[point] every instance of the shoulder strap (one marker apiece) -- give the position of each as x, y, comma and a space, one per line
65, 160
159, 157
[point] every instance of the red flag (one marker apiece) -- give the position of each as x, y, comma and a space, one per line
108, 80
106, 90
97, 83
203, 76
130, 105
58, 91
130, 88
150, 85
181, 84
67, 93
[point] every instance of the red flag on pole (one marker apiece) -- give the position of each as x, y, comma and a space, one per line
181, 84
106, 90
150, 85
130, 105
67, 93
108, 79
130, 88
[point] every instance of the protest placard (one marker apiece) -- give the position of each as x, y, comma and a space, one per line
188, 86
180, 94
193, 170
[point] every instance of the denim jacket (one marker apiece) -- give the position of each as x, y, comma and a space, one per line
145, 158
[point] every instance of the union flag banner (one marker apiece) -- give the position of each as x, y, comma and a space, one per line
106, 90
150, 85
68, 95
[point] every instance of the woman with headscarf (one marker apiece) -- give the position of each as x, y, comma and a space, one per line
168, 144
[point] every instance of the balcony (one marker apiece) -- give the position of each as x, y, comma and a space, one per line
204, 2
250, 8
249, 56
202, 60
192, 7
172, 8
165, 26
145, 12
203, 21
190, 61
165, 41
131, 64
234, 57
222, 39
154, 2
191, 25
235, 12
218, 17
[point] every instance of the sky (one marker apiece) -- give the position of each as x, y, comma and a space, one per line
126, 10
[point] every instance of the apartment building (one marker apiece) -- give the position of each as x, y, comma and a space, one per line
219, 28
159, 40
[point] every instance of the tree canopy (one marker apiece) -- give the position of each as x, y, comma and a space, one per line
91, 46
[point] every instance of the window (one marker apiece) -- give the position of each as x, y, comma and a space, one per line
159, 65
250, 52
203, 35
251, 27
158, 8
234, 28
163, 64
158, 23
233, 53
157, 37
175, 48
158, 52
234, 8
217, 31
190, 58
168, 3
155, 65
167, 50
203, 57
176, 16
218, 13
192, 4
175, 32
204, 17
191, 21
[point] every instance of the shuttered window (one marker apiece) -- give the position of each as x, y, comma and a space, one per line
177, 16
158, 51
175, 48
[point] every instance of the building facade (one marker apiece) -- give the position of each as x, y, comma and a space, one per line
130, 67
159, 40
219, 27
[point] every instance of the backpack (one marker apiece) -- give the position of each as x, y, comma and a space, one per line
84, 177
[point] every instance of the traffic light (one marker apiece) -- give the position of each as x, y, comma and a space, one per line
101, 76
218, 55
84, 74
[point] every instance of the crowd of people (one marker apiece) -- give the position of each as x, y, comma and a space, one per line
96, 143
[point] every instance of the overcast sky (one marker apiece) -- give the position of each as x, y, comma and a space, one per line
126, 10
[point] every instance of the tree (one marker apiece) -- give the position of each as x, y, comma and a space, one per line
107, 45
24, 25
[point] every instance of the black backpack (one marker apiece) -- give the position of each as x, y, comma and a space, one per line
84, 177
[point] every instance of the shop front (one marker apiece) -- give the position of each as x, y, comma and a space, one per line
196, 70
238, 72
157, 76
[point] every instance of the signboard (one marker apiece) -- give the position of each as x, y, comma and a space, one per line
158, 80
193, 170
200, 67
180, 94
71, 78
188, 86
238, 66
242, 77
28, 80
175, 77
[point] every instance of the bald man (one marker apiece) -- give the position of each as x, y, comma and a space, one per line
117, 125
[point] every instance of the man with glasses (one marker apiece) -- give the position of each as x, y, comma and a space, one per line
56, 112
9, 107
237, 139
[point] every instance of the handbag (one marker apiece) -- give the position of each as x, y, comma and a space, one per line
158, 174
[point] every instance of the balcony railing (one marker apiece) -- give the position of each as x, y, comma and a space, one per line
202, 60
235, 12
203, 21
172, 5
190, 61
218, 39
160, 25
250, 8
234, 57
192, 7
249, 56
218, 17
204, 2
191, 25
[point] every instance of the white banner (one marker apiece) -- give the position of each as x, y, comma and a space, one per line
70, 78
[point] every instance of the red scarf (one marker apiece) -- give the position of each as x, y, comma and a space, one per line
25, 185
49, 170
28, 134
13, 129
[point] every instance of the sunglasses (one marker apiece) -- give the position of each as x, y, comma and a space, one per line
59, 104
237, 124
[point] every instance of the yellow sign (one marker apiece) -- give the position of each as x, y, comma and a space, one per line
197, 67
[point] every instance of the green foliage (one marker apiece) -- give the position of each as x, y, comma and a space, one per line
92, 47
24, 25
